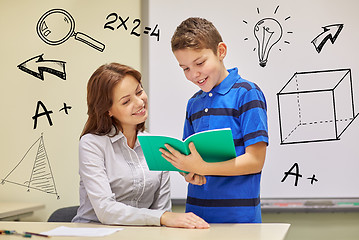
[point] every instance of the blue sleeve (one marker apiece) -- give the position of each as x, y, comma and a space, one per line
254, 117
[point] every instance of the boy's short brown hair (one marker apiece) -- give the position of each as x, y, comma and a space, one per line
196, 33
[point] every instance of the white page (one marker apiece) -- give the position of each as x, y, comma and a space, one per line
81, 232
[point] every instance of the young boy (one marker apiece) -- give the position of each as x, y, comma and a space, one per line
230, 192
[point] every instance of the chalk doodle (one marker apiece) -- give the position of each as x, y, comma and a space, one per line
36, 66
268, 32
44, 112
40, 114
331, 32
316, 106
115, 21
57, 25
65, 108
41, 177
294, 171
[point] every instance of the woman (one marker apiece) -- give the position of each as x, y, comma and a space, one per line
116, 186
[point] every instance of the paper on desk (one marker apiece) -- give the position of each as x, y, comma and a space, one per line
81, 232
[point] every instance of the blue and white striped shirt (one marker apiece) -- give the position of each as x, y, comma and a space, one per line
240, 105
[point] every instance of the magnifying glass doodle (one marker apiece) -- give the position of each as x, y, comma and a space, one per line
57, 25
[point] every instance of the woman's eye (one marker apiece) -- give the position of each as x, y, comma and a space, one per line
140, 92
125, 102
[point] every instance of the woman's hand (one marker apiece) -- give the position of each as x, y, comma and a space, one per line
183, 220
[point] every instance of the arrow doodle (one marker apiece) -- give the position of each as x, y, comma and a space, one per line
36, 66
331, 32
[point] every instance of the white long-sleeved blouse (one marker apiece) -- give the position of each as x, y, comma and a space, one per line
116, 186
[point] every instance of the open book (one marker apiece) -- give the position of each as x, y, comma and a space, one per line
213, 146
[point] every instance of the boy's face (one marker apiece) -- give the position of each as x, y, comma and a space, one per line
203, 67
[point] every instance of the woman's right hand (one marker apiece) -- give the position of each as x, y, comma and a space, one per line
183, 220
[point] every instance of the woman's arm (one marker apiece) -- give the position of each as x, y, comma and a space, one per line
162, 198
110, 211
96, 182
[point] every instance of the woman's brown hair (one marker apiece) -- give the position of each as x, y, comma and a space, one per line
99, 98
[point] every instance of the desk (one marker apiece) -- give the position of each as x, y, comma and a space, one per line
16, 210
268, 231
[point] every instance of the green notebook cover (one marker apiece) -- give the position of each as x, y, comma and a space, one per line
213, 146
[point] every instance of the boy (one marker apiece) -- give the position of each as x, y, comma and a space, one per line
230, 192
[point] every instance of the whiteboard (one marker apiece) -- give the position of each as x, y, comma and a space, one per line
310, 80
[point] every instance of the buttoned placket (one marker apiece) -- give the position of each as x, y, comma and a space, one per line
138, 171
209, 95
209, 104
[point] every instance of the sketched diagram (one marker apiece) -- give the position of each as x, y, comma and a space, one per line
56, 26
36, 66
331, 32
40, 177
268, 32
316, 106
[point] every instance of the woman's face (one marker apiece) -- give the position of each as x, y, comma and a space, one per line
129, 103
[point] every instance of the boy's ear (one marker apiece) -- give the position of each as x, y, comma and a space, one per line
222, 50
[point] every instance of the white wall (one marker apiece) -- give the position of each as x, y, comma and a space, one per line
20, 91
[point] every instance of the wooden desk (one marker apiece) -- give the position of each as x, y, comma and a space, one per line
267, 231
15, 210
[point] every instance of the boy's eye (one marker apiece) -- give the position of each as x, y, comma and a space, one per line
200, 63
185, 69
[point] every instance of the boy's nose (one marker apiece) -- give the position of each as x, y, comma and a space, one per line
195, 75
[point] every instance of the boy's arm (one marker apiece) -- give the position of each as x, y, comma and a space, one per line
249, 163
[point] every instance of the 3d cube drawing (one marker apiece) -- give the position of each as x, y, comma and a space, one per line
316, 106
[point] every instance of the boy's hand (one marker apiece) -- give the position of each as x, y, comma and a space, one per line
194, 178
190, 163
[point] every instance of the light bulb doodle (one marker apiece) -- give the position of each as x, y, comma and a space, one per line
268, 32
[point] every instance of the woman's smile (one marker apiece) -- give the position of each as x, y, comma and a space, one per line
141, 111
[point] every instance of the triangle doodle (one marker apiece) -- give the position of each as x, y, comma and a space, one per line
41, 177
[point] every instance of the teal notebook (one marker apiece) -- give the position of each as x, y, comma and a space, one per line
213, 146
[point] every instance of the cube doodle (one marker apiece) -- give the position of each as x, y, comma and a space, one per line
316, 106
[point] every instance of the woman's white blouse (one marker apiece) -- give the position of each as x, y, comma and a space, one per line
116, 186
